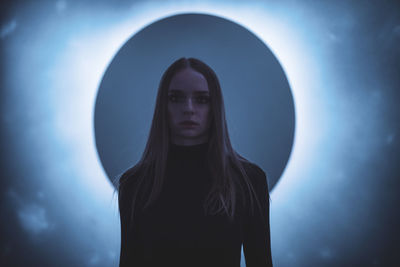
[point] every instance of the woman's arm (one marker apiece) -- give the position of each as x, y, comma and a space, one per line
124, 219
256, 243
130, 254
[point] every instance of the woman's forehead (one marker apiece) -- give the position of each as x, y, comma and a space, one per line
196, 92
188, 80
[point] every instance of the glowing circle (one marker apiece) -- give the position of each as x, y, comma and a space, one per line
258, 100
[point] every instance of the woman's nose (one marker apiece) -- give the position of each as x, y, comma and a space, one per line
188, 103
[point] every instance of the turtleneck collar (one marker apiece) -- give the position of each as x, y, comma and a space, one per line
189, 151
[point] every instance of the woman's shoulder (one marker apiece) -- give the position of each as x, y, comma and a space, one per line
257, 176
130, 177
128, 184
254, 171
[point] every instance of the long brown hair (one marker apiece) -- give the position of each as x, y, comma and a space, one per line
225, 164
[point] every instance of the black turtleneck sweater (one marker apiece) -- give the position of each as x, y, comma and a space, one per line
176, 232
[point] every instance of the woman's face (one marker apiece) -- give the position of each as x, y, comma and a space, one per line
189, 100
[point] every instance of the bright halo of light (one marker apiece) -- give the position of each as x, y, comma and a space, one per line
98, 47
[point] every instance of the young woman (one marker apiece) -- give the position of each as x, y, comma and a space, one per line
191, 200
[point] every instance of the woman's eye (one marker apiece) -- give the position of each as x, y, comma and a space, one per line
180, 98
203, 99
174, 98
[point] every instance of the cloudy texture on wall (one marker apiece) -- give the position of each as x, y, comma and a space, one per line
335, 202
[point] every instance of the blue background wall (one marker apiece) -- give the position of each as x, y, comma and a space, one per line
336, 202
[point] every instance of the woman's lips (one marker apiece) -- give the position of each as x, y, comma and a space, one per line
188, 124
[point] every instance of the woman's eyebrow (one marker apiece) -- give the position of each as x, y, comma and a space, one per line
175, 91
201, 92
